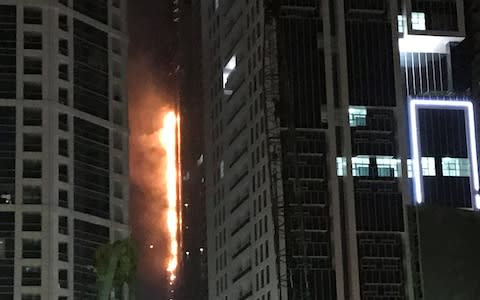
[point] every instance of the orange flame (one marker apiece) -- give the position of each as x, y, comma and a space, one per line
168, 139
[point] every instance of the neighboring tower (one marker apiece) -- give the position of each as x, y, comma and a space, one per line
63, 106
307, 158
192, 277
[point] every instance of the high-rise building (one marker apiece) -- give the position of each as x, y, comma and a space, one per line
64, 144
192, 274
327, 125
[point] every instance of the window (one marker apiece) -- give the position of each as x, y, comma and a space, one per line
357, 116
63, 225
32, 248
32, 222
228, 70
117, 116
388, 167
217, 4
418, 21
117, 141
32, 194
32, 15
63, 96
63, 198
428, 166
63, 279
32, 91
63, 122
31, 297
401, 23
116, 3
63, 47
63, 2
455, 167
32, 142
63, 147
63, 22
32, 65
31, 276
117, 165
117, 190
63, 71
116, 93
32, 117
409, 168
32, 40
63, 252
341, 166
63, 173
361, 166
32, 168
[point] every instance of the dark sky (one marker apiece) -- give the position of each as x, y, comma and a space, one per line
152, 44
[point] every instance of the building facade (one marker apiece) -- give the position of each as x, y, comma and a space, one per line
313, 164
64, 158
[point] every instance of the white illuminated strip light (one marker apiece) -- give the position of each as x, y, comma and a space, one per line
467, 106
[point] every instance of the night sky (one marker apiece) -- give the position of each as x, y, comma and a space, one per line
152, 45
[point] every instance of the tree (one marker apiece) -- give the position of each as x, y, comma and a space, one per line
116, 264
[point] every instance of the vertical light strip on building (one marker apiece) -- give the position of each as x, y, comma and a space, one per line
168, 138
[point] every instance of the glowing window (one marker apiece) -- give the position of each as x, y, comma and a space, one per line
341, 166
428, 166
401, 23
388, 166
409, 168
357, 116
418, 21
360, 166
455, 167
228, 69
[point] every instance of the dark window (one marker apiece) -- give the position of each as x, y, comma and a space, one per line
63, 147
32, 117
32, 90
31, 276
32, 65
63, 2
32, 222
7, 253
117, 165
7, 154
32, 142
91, 76
63, 279
8, 59
63, 96
95, 9
63, 173
116, 3
87, 238
32, 40
91, 168
63, 22
31, 297
63, 72
63, 47
63, 198
63, 251
63, 225
32, 195
117, 141
63, 122
32, 248
32, 15
32, 168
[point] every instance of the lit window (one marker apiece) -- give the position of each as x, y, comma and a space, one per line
357, 116
360, 166
341, 166
388, 166
228, 70
409, 168
428, 166
222, 169
418, 21
217, 4
455, 167
401, 23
